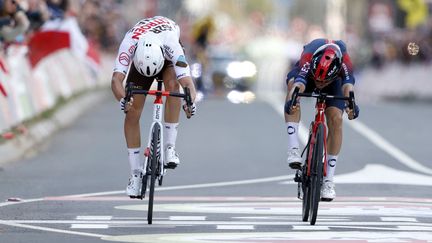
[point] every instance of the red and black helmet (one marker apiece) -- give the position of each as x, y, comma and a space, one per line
326, 62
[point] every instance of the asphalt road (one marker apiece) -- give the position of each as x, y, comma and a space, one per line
232, 186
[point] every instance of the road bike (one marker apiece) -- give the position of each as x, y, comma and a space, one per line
154, 166
309, 176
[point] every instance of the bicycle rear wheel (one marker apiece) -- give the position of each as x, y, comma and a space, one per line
317, 173
154, 155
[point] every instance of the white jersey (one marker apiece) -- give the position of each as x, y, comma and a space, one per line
167, 31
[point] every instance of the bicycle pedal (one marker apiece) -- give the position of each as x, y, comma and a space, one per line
295, 165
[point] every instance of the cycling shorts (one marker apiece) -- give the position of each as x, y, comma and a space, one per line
142, 82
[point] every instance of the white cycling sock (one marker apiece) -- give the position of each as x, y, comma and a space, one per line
293, 140
135, 160
170, 134
331, 167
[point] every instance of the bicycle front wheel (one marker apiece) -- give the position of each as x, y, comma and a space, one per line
155, 156
316, 172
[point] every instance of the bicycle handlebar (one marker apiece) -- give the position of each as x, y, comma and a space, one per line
158, 93
322, 97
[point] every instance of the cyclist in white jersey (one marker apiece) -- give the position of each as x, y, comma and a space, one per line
153, 46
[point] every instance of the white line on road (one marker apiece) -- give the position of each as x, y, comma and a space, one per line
14, 224
398, 219
383, 144
195, 186
89, 217
89, 226
308, 227
335, 222
185, 218
235, 227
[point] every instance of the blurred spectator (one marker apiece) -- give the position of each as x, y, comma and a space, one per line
102, 23
57, 8
37, 12
13, 20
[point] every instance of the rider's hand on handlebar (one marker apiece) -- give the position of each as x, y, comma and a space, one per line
291, 109
190, 111
126, 106
352, 114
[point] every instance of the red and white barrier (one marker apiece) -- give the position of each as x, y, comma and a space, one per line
55, 63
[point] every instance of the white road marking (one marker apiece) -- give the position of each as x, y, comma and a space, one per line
19, 225
335, 208
311, 236
382, 143
235, 227
22, 201
415, 228
89, 226
398, 219
293, 218
309, 227
185, 218
364, 130
334, 223
377, 173
193, 186
93, 217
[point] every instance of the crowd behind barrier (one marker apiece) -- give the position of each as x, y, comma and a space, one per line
46, 55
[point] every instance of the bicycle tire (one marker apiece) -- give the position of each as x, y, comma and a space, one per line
306, 190
317, 173
154, 153
145, 181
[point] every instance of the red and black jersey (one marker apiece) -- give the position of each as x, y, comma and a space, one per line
302, 69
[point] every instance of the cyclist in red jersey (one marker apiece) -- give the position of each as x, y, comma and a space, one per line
323, 65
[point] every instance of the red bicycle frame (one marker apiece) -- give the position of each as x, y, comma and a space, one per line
319, 118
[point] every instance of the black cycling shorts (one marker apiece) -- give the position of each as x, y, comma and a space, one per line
142, 82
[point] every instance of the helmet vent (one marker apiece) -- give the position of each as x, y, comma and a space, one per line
327, 57
148, 71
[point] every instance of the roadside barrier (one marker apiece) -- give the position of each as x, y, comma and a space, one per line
35, 76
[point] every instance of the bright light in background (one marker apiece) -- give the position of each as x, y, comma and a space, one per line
196, 70
200, 7
245, 69
238, 97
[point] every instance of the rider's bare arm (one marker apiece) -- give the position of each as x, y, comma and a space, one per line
301, 86
347, 88
187, 82
117, 85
